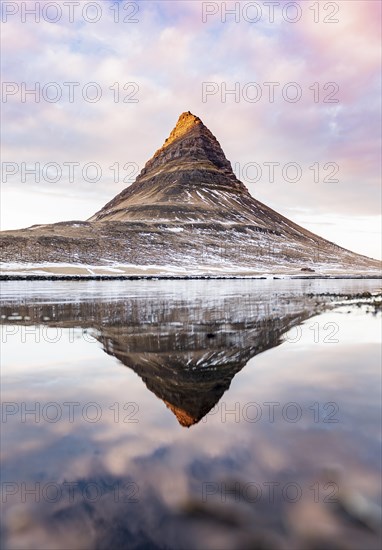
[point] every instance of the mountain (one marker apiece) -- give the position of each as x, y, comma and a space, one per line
185, 214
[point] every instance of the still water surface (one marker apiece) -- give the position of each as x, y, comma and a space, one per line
190, 414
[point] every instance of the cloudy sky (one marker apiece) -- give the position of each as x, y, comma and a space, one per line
291, 88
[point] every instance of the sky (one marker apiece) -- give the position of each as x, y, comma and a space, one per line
90, 90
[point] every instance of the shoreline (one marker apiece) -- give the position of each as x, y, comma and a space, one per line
10, 277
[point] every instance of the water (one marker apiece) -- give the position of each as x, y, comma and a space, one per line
190, 414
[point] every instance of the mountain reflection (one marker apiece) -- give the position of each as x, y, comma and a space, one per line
186, 351
190, 367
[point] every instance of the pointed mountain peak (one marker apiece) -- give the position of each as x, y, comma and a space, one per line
186, 122
189, 142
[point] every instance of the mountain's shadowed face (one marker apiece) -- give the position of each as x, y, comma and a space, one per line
186, 350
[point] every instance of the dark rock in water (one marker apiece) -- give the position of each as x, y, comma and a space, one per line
186, 210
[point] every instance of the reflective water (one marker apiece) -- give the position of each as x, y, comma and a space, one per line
190, 414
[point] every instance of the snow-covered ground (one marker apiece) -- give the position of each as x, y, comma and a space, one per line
110, 269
